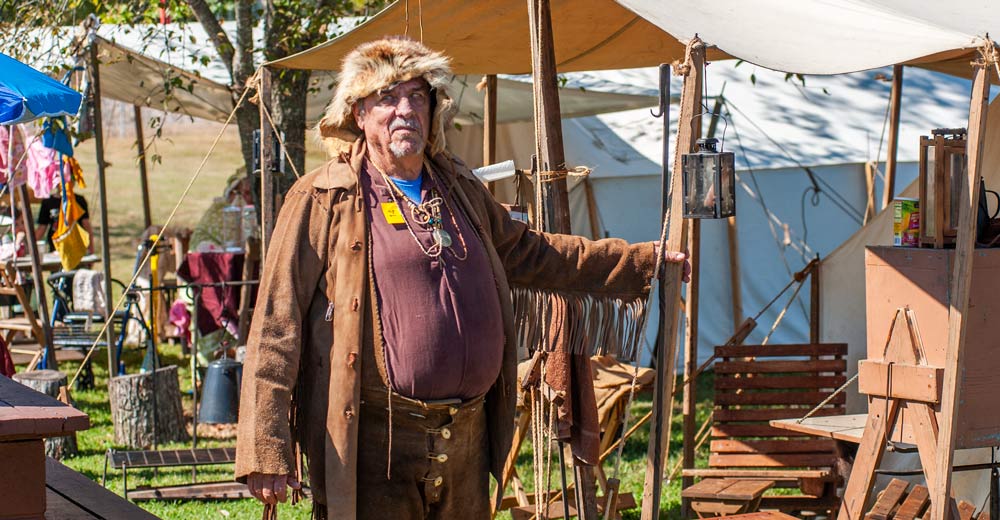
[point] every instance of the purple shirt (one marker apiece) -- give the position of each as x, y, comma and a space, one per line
441, 318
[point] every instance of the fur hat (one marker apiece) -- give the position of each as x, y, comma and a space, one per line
377, 65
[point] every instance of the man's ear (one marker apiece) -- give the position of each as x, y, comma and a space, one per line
359, 115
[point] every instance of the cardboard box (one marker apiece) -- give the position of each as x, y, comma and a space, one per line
906, 222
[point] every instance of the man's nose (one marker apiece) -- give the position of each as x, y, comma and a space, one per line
403, 107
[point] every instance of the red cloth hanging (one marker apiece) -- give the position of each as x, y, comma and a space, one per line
6, 360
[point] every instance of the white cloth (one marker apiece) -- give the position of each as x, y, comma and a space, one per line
88, 292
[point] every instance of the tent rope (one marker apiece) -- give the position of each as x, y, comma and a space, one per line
149, 251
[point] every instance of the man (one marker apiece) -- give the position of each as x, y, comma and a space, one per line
386, 298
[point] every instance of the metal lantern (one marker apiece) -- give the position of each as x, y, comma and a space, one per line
942, 170
709, 179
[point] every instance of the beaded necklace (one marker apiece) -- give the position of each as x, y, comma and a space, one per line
428, 214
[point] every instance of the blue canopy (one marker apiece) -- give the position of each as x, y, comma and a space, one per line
27, 94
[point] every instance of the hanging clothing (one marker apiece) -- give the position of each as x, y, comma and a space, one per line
42, 169
69, 237
10, 158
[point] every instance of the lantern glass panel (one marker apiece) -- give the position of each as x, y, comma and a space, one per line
956, 172
699, 185
928, 205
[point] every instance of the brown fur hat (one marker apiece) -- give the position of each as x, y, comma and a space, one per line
377, 65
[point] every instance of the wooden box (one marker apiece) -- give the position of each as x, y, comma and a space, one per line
919, 278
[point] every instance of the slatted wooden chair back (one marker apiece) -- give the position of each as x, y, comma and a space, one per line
755, 384
28, 324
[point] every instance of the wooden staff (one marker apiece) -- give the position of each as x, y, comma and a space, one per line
670, 283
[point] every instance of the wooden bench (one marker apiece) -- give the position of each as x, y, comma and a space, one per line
755, 384
125, 460
896, 503
714, 497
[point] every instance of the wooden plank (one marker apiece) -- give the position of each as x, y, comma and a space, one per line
770, 367
785, 350
773, 446
887, 500
687, 132
198, 491
914, 505
746, 489
748, 430
764, 474
847, 428
912, 382
707, 488
776, 398
868, 458
726, 415
966, 510
88, 494
773, 460
31, 413
895, 97
779, 382
961, 284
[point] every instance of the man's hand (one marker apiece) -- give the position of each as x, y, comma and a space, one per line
271, 489
676, 257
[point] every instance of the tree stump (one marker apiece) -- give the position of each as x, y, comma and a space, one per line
48, 382
134, 412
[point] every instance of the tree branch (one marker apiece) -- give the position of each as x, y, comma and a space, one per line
214, 30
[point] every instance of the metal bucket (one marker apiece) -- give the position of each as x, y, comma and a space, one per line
220, 392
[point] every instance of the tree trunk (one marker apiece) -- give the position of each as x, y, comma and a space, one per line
290, 89
48, 382
134, 412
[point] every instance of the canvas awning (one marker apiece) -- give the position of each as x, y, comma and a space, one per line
138, 79
832, 36
491, 36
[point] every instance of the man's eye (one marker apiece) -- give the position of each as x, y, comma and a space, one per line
387, 100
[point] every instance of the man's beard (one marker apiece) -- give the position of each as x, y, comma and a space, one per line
412, 144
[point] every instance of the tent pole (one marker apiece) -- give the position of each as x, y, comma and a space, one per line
688, 128
490, 124
37, 274
961, 284
595, 224
102, 189
552, 199
814, 302
140, 143
734, 272
870, 172
689, 406
888, 191
267, 201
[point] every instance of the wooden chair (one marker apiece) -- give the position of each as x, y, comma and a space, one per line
757, 384
26, 325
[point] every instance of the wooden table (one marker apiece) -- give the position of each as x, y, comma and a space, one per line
52, 263
842, 428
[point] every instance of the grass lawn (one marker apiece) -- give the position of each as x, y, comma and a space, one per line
182, 150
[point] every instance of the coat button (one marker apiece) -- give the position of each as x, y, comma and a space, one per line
442, 458
446, 433
452, 410
438, 481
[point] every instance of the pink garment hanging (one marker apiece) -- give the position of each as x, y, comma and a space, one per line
43, 169
5, 152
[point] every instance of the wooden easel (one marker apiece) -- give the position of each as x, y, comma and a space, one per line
901, 379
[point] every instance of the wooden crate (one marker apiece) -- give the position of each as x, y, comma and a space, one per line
919, 278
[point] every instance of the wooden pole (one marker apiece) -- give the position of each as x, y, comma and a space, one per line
595, 224
814, 302
961, 283
734, 272
894, 108
267, 200
147, 216
690, 359
552, 199
36, 275
490, 124
689, 406
870, 172
102, 188
551, 193
688, 128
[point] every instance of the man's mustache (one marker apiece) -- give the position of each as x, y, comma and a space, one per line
403, 123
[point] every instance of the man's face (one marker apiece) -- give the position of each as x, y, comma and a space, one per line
397, 119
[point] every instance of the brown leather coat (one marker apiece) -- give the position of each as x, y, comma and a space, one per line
308, 325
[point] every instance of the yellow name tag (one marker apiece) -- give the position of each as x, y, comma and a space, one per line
392, 213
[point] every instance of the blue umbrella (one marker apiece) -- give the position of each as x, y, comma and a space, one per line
27, 94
